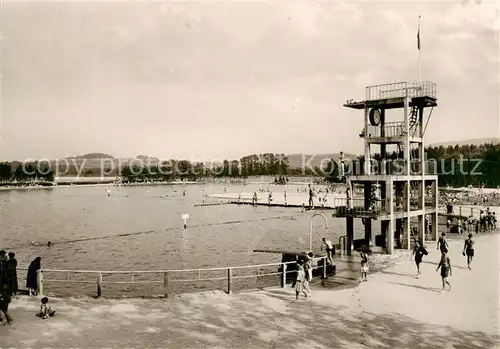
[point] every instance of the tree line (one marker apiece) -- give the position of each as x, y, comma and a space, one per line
464, 165
252, 165
18, 172
457, 166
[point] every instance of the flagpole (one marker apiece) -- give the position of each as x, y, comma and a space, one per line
419, 53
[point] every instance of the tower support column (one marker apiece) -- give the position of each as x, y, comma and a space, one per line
389, 242
421, 228
350, 234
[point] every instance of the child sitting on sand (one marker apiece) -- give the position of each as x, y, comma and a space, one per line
45, 310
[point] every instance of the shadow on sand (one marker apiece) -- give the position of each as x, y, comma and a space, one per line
453, 266
270, 319
431, 289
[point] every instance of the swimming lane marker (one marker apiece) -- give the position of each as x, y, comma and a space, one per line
185, 217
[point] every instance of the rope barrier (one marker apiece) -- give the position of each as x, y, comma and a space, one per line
162, 230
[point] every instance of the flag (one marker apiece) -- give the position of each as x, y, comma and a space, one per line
418, 34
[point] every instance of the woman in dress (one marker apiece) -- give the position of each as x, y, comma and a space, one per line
31, 279
12, 273
300, 281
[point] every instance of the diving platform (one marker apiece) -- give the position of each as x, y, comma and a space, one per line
272, 204
392, 103
393, 95
399, 195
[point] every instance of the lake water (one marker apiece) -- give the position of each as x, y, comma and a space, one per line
157, 240
137, 229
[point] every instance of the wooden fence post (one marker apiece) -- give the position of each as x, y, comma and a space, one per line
229, 280
39, 282
99, 285
283, 276
165, 284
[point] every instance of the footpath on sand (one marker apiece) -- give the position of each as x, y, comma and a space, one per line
392, 310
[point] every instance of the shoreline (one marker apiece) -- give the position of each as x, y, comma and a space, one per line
107, 184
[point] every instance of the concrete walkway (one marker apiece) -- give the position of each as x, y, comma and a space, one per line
392, 310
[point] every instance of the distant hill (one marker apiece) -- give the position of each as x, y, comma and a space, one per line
299, 160
151, 161
92, 156
475, 141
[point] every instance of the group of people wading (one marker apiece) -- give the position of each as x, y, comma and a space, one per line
444, 264
9, 284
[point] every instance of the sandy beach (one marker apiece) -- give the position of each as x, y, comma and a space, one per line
392, 310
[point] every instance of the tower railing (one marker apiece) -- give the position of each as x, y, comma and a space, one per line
391, 129
357, 206
401, 90
394, 167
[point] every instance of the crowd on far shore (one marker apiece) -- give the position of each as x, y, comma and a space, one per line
469, 196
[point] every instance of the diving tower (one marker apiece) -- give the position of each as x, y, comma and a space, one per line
398, 188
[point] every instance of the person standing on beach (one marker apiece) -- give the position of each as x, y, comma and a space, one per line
308, 266
31, 278
364, 265
5, 291
300, 281
469, 250
445, 265
311, 195
442, 244
12, 273
284, 194
270, 198
419, 251
330, 250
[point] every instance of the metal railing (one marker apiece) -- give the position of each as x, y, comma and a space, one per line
395, 167
473, 212
390, 129
400, 90
168, 282
357, 205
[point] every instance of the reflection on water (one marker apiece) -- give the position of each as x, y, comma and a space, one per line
63, 214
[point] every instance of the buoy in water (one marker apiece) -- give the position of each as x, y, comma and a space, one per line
185, 217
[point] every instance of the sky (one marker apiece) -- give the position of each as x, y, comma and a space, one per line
205, 80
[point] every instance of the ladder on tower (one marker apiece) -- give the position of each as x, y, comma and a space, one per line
413, 121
